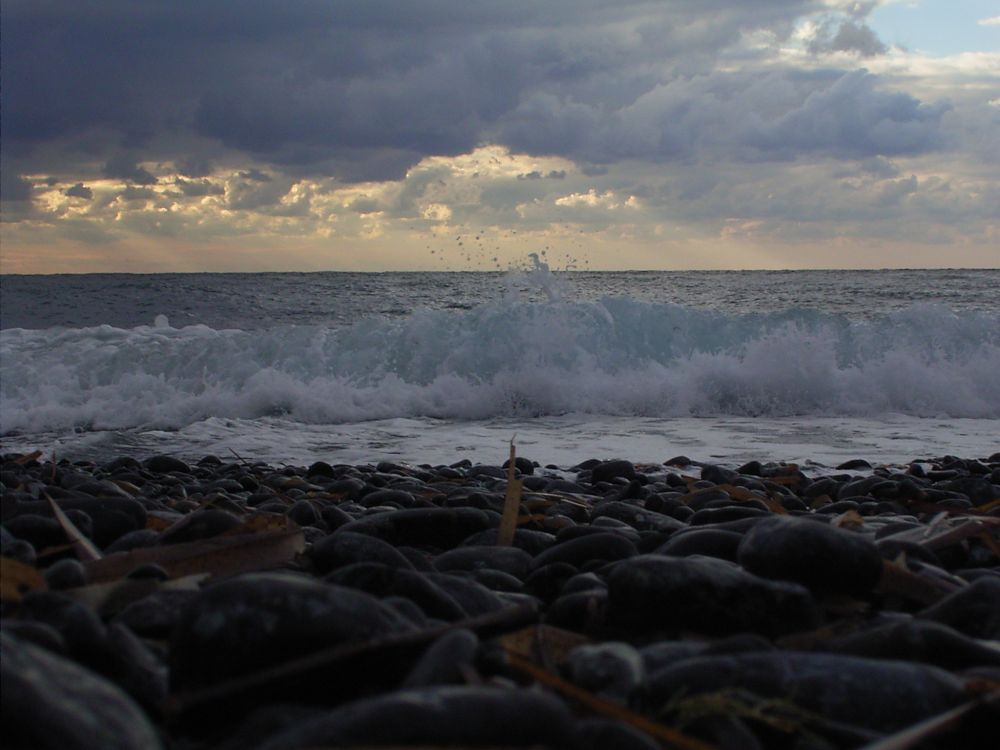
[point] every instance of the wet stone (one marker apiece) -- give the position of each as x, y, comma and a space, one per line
201, 524
613, 670
510, 560
883, 695
599, 546
49, 702
704, 541
655, 594
381, 580
446, 661
255, 620
440, 716
973, 610
442, 528
345, 548
812, 553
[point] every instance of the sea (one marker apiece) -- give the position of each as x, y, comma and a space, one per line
810, 367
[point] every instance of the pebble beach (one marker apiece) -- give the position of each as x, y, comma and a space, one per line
225, 603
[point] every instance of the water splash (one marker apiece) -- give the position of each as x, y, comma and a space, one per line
538, 277
619, 356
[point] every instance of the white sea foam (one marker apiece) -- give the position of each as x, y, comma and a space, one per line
619, 356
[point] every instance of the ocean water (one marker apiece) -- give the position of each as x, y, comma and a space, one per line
806, 366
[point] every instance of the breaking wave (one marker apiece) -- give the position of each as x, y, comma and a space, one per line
619, 356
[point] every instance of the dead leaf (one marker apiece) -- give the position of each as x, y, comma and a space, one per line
605, 707
108, 599
919, 733
774, 506
785, 480
896, 579
740, 494
511, 504
17, 579
161, 520
990, 542
543, 644
218, 556
82, 547
262, 521
849, 519
27, 458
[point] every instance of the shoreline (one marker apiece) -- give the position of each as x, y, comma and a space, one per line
226, 603
818, 444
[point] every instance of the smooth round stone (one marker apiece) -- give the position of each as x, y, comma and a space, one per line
602, 546
580, 611
584, 582
474, 598
547, 581
707, 516
874, 693
710, 542
612, 669
66, 574
636, 516
924, 641
399, 498
38, 633
812, 553
51, 703
254, 621
381, 580
495, 580
133, 540
446, 661
440, 716
201, 524
442, 528
656, 593
21, 550
39, 531
973, 610
510, 560
304, 513
156, 615
345, 548
112, 517
166, 464
609, 470
610, 525
600, 734
531, 541
82, 630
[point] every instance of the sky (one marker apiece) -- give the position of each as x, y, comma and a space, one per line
247, 135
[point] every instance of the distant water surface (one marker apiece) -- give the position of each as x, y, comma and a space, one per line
796, 364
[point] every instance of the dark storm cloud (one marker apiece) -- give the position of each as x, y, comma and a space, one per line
363, 91
79, 190
735, 115
126, 167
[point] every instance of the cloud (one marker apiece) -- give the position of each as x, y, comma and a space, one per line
126, 167
994, 21
333, 89
198, 188
747, 116
341, 120
79, 190
850, 36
